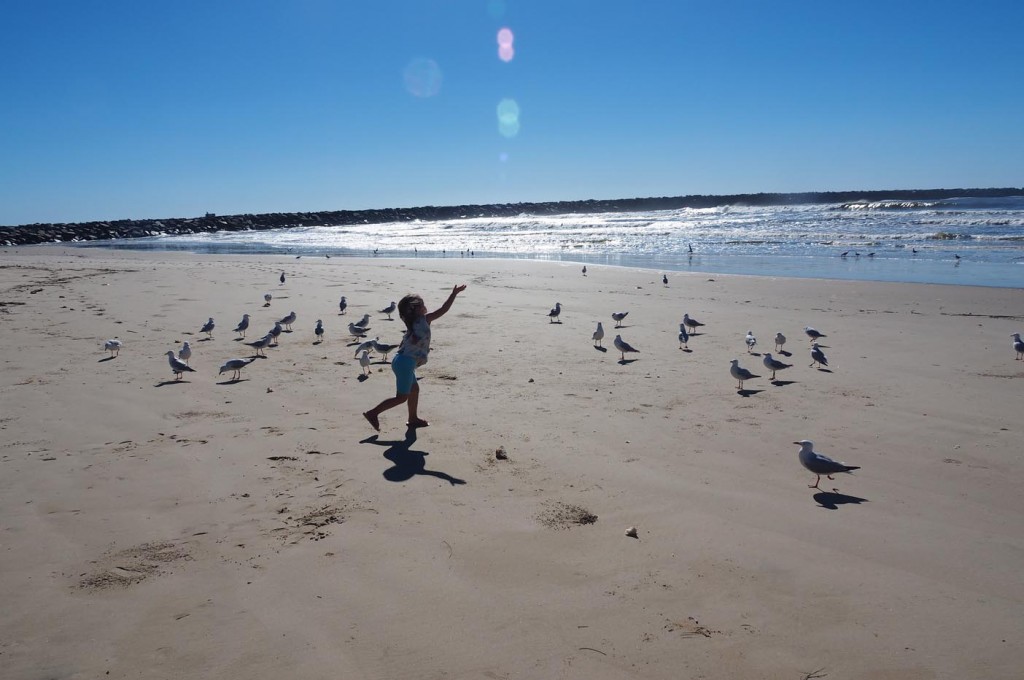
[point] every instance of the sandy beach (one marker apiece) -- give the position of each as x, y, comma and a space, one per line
260, 529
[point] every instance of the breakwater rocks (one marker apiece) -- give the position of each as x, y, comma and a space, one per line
121, 229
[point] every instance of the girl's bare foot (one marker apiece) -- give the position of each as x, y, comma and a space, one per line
372, 419
419, 422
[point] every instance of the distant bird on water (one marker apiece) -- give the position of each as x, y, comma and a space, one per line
598, 335
208, 328
1018, 346
817, 356
113, 346
555, 313
623, 346
242, 325
618, 317
741, 374
773, 364
177, 365
819, 464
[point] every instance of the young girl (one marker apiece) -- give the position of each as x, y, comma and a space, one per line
412, 353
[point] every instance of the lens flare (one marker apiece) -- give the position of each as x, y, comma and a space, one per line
508, 118
506, 52
422, 77
505, 37
505, 49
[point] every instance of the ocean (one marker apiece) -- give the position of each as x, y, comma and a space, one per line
960, 241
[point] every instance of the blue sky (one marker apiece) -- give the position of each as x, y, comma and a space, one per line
138, 109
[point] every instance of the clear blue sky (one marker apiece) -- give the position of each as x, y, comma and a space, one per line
136, 109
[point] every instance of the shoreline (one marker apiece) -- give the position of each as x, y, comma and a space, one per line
159, 528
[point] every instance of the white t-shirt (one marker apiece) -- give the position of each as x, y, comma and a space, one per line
416, 343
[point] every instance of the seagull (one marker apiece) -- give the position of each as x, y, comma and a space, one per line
275, 332
363, 347
691, 324
741, 374
185, 353
242, 325
684, 337
553, 314
598, 335
819, 464
282, 278
364, 362
813, 334
177, 365
319, 330
113, 346
618, 317
207, 328
780, 340
623, 346
267, 297
664, 279
773, 364
817, 356
1018, 346
342, 304
751, 341
236, 365
364, 322
584, 270
689, 247
261, 344
288, 321
383, 348
356, 331
389, 310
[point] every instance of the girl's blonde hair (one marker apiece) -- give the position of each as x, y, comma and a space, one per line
407, 307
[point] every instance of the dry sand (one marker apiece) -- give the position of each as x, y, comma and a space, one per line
151, 528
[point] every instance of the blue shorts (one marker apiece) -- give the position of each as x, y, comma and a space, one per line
405, 373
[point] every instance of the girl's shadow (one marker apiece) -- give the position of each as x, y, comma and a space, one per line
407, 463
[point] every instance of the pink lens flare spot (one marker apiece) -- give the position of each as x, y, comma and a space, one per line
505, 37
422, 77
506, 53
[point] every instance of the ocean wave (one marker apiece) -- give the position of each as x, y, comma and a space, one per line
949, 236
887, 205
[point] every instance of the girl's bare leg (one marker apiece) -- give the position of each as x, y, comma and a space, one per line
372, 415
414, 400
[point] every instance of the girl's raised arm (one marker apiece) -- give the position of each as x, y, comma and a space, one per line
447, 304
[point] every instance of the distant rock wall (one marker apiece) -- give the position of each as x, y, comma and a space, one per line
121, 229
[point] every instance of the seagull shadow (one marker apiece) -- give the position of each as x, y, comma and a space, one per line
785, 353
239, 339
624, 326
747, 393
754, 354
171, 382
204, 339
832, 499
625, 362
825, 370
558, 322
599, 349
363, 377
782, 383
407, 463
110, 358
685, 349
233, 381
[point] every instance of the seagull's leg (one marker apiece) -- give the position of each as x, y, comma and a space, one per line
816, 482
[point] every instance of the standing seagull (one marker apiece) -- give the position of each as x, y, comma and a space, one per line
624, 346
113, 346
208, 328
554, 313
356, 331
319, 330
177, 365
618, 317
819, 464
383, 348
275, 332
780, 340
598, 335
773, 364
242, 325
751, 341
684, 337
389, 310
584, 270
288, 321
1018, 346
185, 353
813, 334
664, 279
342, 304
282, 278
817, 356
741, 374
691, 324
236, 366
364, 362
364, 323
364, 347
267, 297
261, 344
